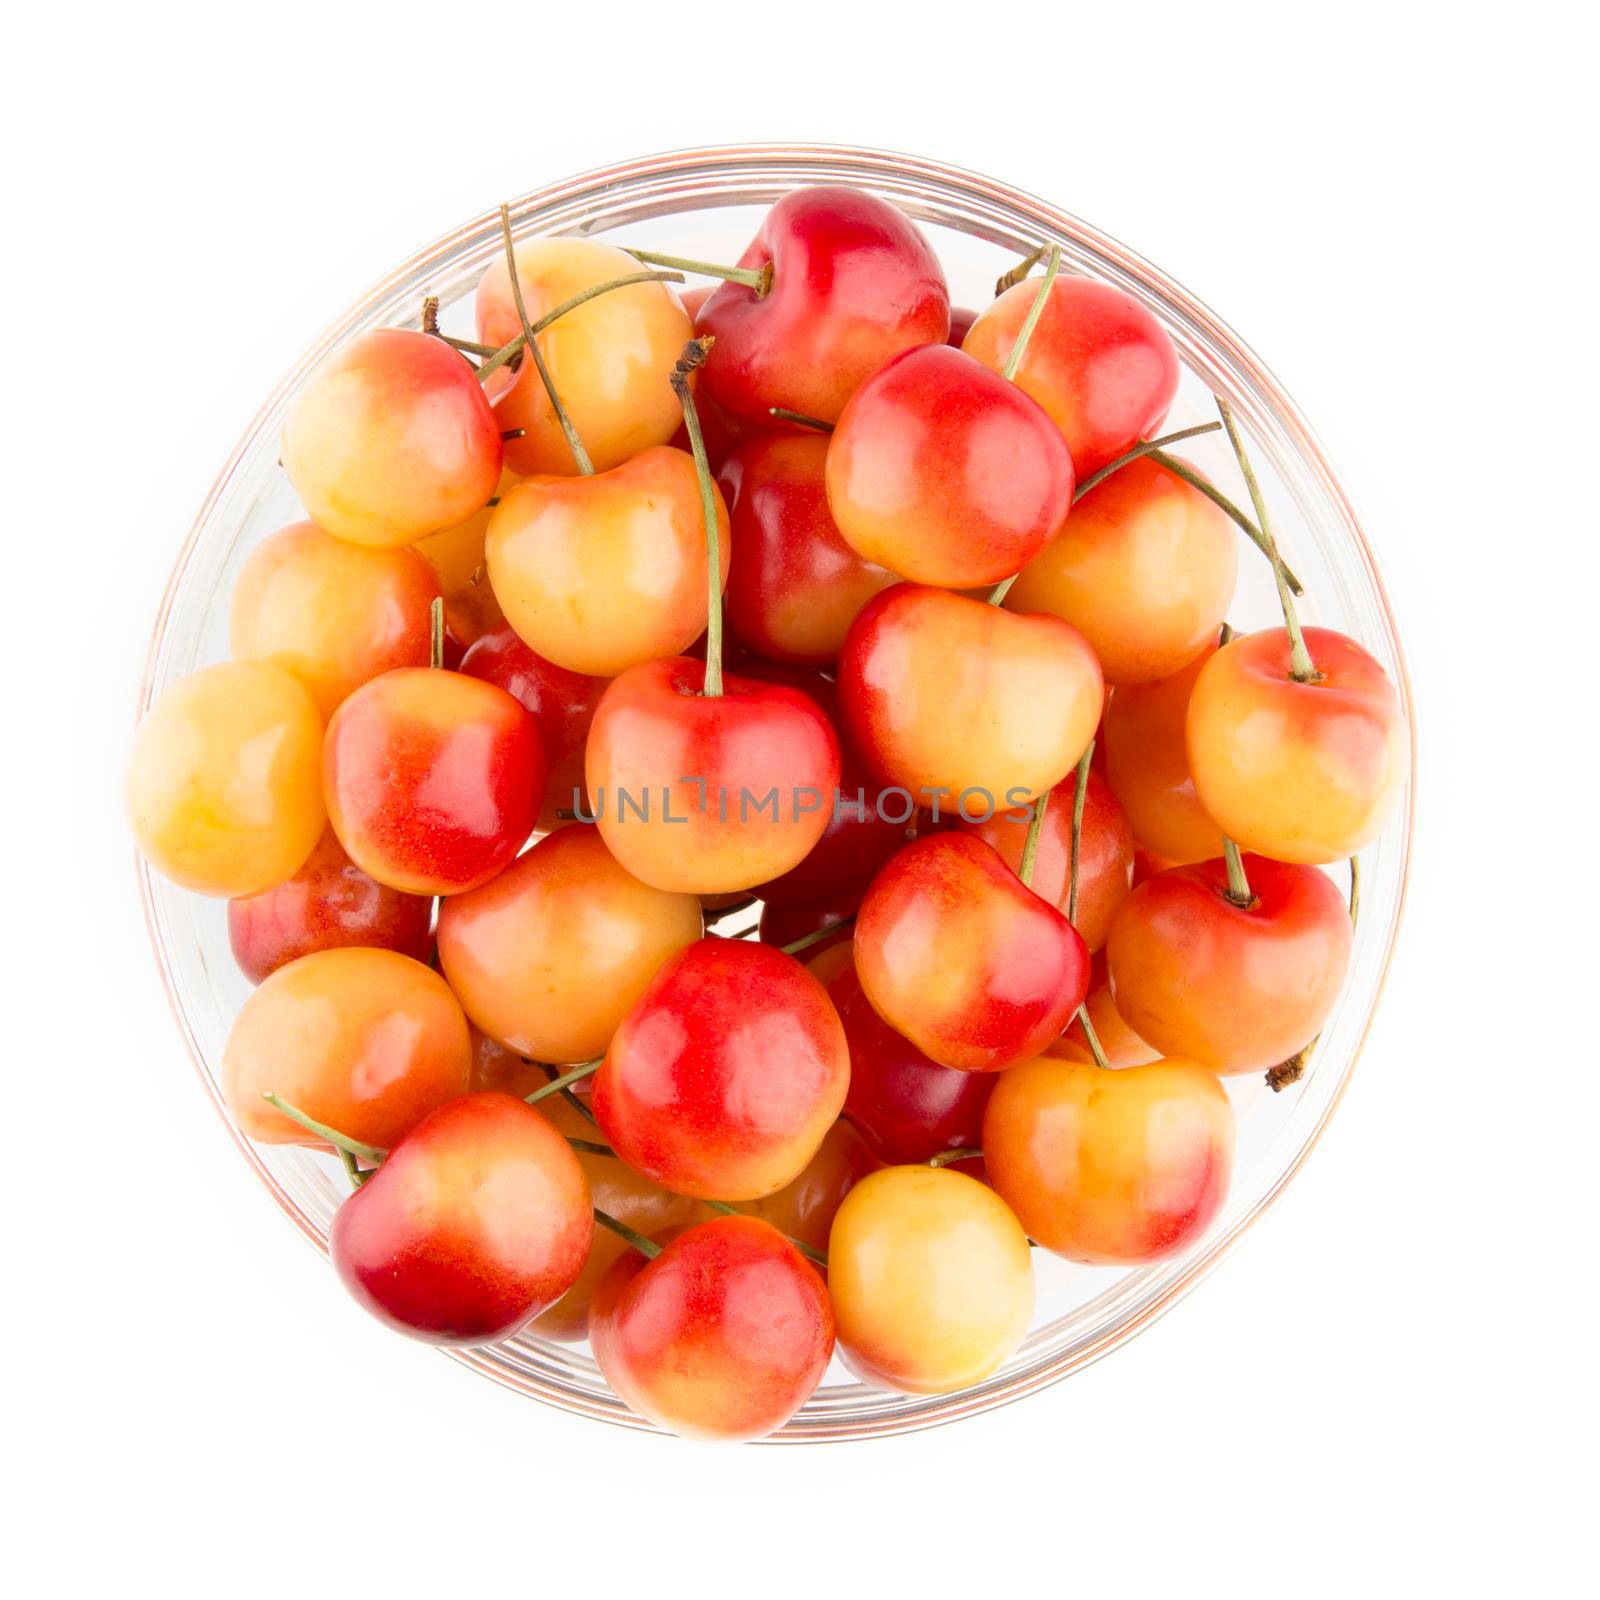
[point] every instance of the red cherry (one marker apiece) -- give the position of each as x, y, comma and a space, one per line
853, 284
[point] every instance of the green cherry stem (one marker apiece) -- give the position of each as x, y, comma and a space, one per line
784, 414
1001, 590
1035, 311
591, 1147
471, 347
648, 1248
757, 278
1096, 1049
436, 633
567, 1094
723, 1209
1355, 890
1030, 845
1145, 447
1181, 469
964, 1153
340, 1141
1239, 891
694, 355
565, 1081
795, 946
506, 352
356, 1175
1080, 793
574, 443
1009, 280
1301, 667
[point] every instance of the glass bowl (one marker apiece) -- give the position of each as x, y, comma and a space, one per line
705, 204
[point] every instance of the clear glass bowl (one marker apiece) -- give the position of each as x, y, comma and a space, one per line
705, 204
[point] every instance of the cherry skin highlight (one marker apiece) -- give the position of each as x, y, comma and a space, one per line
956, 954
854, 283
724, 1335
391, 440
433, 780
478, 1220
1112, 1167
1236, 988
727, 1074
946, 473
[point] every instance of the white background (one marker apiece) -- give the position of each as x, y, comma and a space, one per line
1391, 1384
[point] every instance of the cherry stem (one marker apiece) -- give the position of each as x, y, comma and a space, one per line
498, 358
722, 1208
430, 314
574, 443
1080, 792
1224, 634
1181, 469
1001, 590
1145, 447
946, 1157
757, 278
1301, 667
648, 1248
471, 347
339, 1141
568, 1095
722, 913
590, 1147
794, 947
356, 1175
1096, 1049
1355, 890
1035, 311
694, 355
784, 414
1238, 885
566, 1080
436, 633
1009, 280
1030, 845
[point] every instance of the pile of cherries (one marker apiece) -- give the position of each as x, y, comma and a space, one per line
1039, 917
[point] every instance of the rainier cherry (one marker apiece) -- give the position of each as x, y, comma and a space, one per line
392, 439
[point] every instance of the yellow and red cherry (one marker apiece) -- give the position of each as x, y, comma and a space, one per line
852, 284
433, 779
794, 585
1144, 568
726, 1075
723, 1334
223, 787
561, 703
333, 613
1235, 971
1144, 736
1110, 1166
1119, 1045
931, 1280
963, 959
392, 439
600, 573
608, 359
1097, 361
943, 694
804, 1209
475, 1223
1105, 852
329, 904
365, 1041
947, 473
551, 954
1301, 764
906, 1107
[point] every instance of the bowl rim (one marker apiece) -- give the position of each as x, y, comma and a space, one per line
871, 162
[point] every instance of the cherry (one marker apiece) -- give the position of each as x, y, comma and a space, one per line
723, 1334
1115, 1166
392, 439
963, 959
478, 1220
433, 780
328, 904
803, 1210
724, 1078
561, 703
906, 1106
223, 787
852, 284
1119, 1044
367, 1041
1235, 965
550, 955
945, 472
931, 1280
1097, 361
794, 585
334, 614
1144, 568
